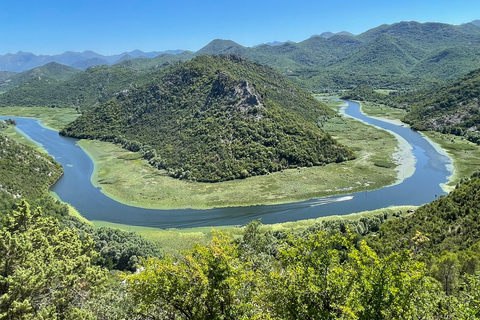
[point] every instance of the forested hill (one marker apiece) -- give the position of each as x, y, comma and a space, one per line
216, 118
452, 108
26, 174
402, 55
449, 108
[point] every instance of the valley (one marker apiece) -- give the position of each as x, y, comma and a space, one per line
336, 177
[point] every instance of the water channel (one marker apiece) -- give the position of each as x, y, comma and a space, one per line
75, 187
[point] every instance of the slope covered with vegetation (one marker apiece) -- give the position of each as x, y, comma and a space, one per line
26, 174
452, 108
327, 273
216, 118
81, 91
52, 71
449, 108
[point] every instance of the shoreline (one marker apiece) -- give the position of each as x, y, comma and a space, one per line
403, 157
202, 199
445, 187
303, 173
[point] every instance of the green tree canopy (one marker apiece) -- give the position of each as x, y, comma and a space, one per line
45, 271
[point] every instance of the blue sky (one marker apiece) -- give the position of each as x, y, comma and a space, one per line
110, 27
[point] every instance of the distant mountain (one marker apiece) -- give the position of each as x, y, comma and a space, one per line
448, 64
22, 61
220, 46
384, 53
84, 64
83, 90
403, 55
427, 36
216, 118
275, 43
328, 34
51, 72
476, 22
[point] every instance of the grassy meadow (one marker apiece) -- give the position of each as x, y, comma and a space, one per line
53, 118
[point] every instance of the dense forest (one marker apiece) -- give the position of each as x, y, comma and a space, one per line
216, 118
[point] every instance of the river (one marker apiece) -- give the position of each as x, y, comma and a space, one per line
75, 187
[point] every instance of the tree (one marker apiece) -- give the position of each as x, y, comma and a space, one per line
206, 283
311, 282
446, 270
328, 277
45, 271
384, 288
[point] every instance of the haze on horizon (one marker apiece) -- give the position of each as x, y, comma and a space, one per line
112, 27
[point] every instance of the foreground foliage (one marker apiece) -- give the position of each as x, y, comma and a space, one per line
45, 271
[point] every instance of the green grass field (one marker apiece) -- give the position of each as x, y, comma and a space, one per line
54, 118
374, 109
465, 155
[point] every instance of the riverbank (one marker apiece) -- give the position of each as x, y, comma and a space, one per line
403, 156
173, 241
128, 179
52, 118
464, 154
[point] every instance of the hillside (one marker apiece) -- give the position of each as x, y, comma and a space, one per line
26, 174
216, 118
451, 108
384, 54
82, 91
451, 223
52, 71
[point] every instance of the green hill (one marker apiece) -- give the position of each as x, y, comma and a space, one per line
427, 36
448, 64
216, 118
83, 90
401, 56
451, 108
219, 46
51, 71
384, 54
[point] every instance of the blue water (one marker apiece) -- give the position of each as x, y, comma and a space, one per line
75, 187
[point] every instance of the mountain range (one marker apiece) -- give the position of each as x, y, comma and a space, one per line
402, 56
22, 61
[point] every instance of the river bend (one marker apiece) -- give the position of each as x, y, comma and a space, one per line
431, 170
